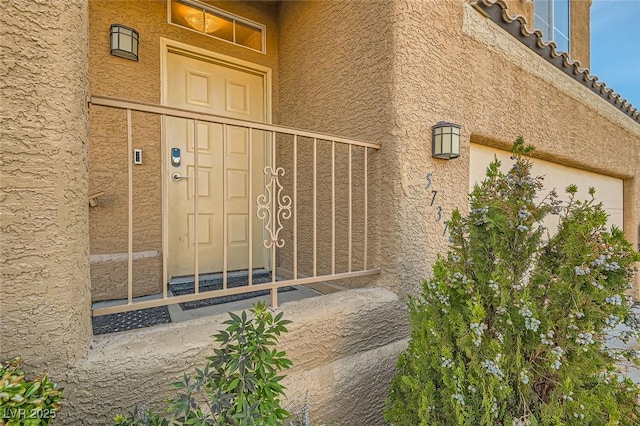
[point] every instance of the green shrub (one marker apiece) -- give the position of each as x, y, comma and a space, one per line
510, 330
240, 383
23, 401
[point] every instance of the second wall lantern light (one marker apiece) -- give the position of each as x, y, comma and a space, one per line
445, 140
124, 42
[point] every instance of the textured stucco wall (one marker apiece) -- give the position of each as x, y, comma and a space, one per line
339, 82
421, 63
112, 76
140, 81
108, 220
580, 37
497, 89
450, 63
343, 347
44, 244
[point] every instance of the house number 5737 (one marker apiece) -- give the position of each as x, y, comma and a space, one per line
434, 194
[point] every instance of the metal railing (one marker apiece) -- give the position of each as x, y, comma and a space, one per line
269, 208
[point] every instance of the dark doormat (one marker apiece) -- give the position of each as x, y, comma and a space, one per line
231, 283
131, 320
142, 318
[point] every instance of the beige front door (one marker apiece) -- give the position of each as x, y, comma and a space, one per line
203, 85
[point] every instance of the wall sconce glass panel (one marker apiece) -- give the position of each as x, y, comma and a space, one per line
445, 140
124, 42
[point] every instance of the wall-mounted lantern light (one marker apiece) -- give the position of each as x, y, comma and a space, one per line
446, 140
124, 42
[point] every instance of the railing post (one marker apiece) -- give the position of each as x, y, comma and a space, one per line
225, 230
130, 209
164, 176
315, 207
196, 206
366, 205
295, 206
250, 204
350, 210
333, 207
274, 209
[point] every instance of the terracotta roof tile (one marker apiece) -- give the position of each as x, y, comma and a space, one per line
496, 10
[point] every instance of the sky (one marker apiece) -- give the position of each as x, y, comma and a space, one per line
615, 46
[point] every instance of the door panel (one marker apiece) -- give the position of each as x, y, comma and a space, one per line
209, 87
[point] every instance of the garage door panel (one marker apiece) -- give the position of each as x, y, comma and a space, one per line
609, 190
615, 217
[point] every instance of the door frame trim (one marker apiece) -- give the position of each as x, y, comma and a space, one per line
168, 46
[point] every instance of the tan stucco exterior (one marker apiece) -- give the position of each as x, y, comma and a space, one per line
332, 72
343, 347
580, 41
44, 241
513, 91
322, 89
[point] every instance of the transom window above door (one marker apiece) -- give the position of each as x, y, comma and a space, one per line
552, 18
213, 22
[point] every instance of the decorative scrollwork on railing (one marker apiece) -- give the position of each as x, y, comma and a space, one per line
274, 199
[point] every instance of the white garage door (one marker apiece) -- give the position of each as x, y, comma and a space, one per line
608, 189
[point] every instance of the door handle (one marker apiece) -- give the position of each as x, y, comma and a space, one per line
177, 177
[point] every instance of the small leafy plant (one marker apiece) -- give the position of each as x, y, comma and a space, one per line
511, 329
142, 416
27, 401
240, 383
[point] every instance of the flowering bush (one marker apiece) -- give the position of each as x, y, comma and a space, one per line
510, 330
